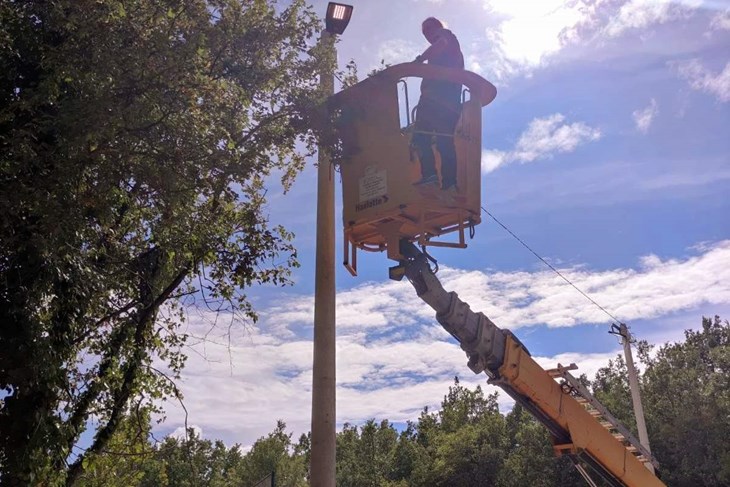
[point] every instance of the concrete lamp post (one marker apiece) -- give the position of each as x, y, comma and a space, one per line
322, 463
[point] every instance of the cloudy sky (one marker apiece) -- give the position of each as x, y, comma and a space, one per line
606, 150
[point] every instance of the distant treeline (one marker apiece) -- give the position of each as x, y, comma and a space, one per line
685, 390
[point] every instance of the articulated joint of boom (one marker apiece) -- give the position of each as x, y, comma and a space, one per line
483, 341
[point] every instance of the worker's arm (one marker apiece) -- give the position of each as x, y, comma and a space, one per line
433, 50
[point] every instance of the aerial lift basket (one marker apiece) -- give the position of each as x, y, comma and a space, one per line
381, 204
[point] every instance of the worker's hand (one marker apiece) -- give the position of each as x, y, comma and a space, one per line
419, 59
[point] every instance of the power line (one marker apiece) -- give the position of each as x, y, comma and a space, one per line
549, 265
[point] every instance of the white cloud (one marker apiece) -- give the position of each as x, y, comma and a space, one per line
547, 135
721, 21
240, 382
702, 79
531, 31
371, 306
639, 14
643, 118
524, 35
543, 138
659, 287
519, 299
492, 159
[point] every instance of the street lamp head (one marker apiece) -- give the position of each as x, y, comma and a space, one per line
338, 16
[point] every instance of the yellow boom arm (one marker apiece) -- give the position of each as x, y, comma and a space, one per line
575, 428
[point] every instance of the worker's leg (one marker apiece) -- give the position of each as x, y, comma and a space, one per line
426, 117
422, 143
445, 144
447, 149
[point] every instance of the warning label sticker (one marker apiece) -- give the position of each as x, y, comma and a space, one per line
373, 185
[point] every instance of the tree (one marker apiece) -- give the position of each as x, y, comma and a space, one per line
530, 457
274, 453
192, 462
128, 457
470, 441
195, 461
686, 392
411, 461
462, 406
135, 137
365, 454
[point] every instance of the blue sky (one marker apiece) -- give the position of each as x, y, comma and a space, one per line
606, 150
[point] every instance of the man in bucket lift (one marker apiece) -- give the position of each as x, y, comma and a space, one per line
439, 107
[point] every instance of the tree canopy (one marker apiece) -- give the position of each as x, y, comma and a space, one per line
135, 140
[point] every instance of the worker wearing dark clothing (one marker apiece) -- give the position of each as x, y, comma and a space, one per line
439, 107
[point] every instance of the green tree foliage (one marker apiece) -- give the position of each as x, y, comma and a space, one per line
134, 139
128, 457
198, 462
686, 392
412, 463
467, 442
275, 453
192, 461
195, 461
530, 459
472, 441
365, 454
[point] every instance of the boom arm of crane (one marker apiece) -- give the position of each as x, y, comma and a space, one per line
499, 354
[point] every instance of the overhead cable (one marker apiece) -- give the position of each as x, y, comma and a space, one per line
549, 265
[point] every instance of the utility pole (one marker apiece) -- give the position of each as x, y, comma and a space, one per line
623, 331
322, 469
322, 462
